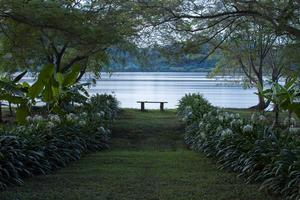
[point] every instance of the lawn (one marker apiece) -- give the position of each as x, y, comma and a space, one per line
148, 160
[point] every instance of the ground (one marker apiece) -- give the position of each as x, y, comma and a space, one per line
147, 161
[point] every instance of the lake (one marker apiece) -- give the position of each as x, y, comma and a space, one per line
130, 87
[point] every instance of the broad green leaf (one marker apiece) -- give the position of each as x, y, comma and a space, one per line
47, 94
35, 90
71, 77
46, 73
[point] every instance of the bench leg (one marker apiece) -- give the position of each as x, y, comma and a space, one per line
142, 106
161, 106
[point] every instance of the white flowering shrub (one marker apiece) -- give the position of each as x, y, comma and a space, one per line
106, 105
192, 107
252, 148
48, 142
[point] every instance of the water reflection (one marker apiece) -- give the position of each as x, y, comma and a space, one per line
130, 87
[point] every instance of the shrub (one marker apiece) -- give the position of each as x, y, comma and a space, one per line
253, 149
104, 104
48, 143
192, 107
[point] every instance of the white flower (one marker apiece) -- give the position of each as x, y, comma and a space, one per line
221, 118
232, 116
84, 114
188, 111
237, 115
7, 56
262, 118
202, 135
37, 118
54, 118
200, 124
82, 123
50, 125
293, 130
226, 132
289, 121
102, 129
101, 114
71, 117
293, 121
236, 123
29, 119
248, 128
254, 118
227, 116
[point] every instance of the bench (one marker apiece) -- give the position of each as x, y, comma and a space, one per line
160, 102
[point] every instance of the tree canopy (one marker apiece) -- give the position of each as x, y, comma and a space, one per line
64, 33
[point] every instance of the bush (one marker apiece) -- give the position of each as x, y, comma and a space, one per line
48, 143
251, 148
192, 107
104, 103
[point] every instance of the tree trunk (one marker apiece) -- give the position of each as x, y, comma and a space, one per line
276, 120
262, 104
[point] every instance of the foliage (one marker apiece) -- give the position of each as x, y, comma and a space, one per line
192, 107
147, 150
47, 143
63, 33
15, 93
252, 149
57, 90
105, 104
284, 97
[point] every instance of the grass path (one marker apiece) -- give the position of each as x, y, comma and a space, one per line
147, 161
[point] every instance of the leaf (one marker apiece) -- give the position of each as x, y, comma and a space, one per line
48, 94
71, 77
19, 77
46, 73
43, 80
35, 89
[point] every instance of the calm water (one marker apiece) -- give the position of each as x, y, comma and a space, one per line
130, 87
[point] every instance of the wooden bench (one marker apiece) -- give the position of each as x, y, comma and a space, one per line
160, 102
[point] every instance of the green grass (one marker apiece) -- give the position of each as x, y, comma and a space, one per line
147, 161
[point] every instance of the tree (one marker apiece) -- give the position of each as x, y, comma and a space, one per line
195, 16
200, 22
254, 51
64, 33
